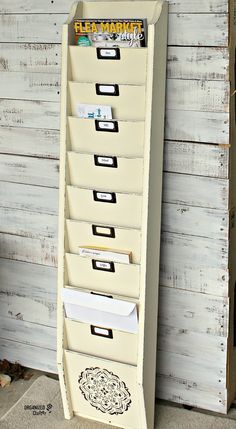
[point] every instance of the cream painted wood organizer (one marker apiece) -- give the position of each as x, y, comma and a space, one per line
108, 374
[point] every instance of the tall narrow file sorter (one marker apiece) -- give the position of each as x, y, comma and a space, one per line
110, 196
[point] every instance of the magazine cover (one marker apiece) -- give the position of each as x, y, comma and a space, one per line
111, 33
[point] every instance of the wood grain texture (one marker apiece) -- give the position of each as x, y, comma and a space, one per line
194, 330
197, 221
34, 250
194, 264
28, 333
209, 127
29, 141
192, 6
202, 127
195, 312
211, 376
201, 347
183, 62
29, 170
182, 392
28, 224
28, 291
181, 94
28, 355
195, 190
198, 63
63, 6
30, 86
29, 114
196, 159
30, 198
203, 96
30, 57
36, 28
198, 29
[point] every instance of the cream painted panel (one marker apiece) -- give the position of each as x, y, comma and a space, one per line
122, 174
126, 211
83, 371
122, 347
124, 281
128, 105
129, 69
128, 141
82, 234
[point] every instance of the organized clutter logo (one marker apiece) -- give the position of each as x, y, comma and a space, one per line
39, 409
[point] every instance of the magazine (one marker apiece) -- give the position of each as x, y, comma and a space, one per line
111, 33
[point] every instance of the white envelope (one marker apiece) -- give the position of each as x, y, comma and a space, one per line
100, 311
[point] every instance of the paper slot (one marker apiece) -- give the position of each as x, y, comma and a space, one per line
100, 311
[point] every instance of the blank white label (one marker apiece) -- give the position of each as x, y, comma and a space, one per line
101, 230
106, 125
105, 160
107, 52
102, 196
104, 265
107, 88
101, 331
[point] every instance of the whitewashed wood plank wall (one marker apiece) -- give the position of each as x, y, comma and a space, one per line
194, 301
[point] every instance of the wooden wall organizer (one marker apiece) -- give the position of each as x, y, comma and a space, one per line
108, 374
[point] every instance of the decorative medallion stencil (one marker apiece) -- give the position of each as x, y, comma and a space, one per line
104, 390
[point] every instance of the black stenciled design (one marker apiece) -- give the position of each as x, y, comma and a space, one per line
104, 390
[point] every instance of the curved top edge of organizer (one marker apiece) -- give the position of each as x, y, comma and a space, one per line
151, 10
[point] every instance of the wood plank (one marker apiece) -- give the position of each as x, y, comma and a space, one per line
193, 6
35, 28
30, 86
28, 355
16, 305
198, 29
196, 159
180, 391
209, 127
181, 94
30, 57
198, 63
28, 333
28, 291
28, 224
195, 312
203, 96
26, 197
198, 221
41, 251
194, 264
29, 170
63, 6
30, 142
200, 347
204, 127
178, 368
195, 191
183, 62
29, 114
